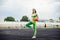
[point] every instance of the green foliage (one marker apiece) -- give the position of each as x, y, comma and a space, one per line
59, 18
9, 19
24, 18
51, 20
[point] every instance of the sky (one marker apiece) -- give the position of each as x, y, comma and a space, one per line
46, 9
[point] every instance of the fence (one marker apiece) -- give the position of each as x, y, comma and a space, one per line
21, 25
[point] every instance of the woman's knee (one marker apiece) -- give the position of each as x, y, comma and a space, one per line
26, 24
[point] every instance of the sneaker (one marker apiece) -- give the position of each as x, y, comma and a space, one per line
34, 37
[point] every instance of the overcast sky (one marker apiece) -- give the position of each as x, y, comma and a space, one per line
46, 9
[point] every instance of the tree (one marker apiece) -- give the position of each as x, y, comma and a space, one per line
9, 19
59, 18
51, 20
24, 18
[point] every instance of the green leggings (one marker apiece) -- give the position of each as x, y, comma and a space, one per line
34, 26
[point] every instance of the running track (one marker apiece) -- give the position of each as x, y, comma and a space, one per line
26, 34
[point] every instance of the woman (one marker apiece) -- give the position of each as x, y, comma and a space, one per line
33, 21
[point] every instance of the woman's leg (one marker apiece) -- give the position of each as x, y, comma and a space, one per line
28, 24
34, 26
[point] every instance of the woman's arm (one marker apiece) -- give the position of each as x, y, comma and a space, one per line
37, 15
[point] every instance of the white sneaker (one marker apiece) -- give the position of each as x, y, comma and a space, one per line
34, 37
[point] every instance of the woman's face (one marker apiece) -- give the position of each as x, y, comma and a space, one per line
33, 10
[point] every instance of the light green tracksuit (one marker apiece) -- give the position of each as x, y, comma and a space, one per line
32, 22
